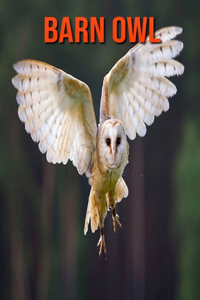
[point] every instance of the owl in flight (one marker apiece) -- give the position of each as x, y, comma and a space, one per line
58, 112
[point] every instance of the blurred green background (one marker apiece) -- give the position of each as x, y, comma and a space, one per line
44, 253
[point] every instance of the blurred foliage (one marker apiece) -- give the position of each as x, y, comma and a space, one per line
187, 211
44, 254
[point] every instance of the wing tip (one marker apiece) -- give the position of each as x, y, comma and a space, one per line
142, 132
181, 45
178, 29
181, 70
14, 79
16, 66
168, 33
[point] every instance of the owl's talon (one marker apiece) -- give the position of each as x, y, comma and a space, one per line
115, 218
102, 243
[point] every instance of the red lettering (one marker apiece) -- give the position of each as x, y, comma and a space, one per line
48, 29
115, 30
98, 28
68, 33
151, 31
79, 29
137, 29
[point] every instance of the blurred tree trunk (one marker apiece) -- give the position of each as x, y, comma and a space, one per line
69, 216
17, 261
46, 221
134, 245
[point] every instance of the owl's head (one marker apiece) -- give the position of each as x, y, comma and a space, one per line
113, 144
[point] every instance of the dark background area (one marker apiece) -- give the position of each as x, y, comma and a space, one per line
43, 251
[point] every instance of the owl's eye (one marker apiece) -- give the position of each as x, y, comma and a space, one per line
118, 141
108, 141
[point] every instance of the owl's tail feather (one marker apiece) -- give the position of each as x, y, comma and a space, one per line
92, 213
121, 190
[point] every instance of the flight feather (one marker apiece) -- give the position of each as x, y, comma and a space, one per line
136, 88
58, 112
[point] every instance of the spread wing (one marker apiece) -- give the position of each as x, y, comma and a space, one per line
136, 88
58, 112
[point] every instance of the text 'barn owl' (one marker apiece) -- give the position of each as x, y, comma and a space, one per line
58, 112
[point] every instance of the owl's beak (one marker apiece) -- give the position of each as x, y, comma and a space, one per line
114, 152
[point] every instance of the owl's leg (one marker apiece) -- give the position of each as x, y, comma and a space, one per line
115, 218
112, 205
102, 210
102, 244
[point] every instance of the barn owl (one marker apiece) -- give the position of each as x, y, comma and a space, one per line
58, 112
